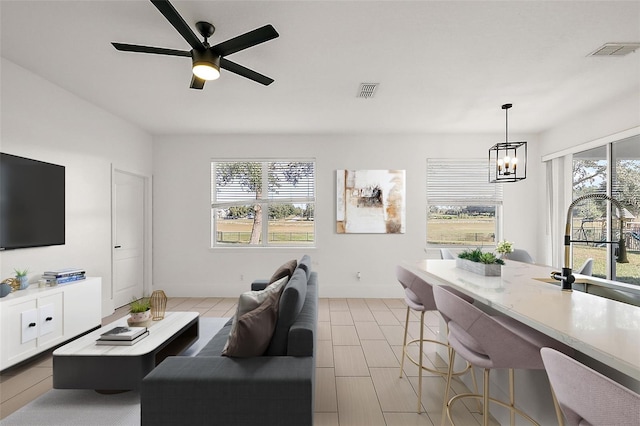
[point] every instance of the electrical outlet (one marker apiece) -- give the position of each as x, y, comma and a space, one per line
358, 274
241, 277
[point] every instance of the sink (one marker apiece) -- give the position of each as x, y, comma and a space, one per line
577, 281
622, 292
548, 280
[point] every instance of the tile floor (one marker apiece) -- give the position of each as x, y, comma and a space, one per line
357, 383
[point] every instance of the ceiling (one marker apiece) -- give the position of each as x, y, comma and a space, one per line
443, 66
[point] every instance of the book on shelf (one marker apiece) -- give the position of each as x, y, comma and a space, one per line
65, 272
122, 342
122, 333
64, 279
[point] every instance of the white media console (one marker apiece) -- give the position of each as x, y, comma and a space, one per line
36, 319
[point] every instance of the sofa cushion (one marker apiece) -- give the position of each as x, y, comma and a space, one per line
285, 270
215, 346
305, 264
302, 333
253, 330
291, 301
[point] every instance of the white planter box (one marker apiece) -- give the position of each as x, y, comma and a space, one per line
493, 270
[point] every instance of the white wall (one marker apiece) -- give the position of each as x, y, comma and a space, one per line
44, 122
619, 114
185, 265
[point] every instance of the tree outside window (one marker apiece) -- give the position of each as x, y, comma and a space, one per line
263, 203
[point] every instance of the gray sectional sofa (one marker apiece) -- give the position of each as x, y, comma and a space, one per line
273, 389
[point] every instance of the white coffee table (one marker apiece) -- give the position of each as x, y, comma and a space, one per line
82, 364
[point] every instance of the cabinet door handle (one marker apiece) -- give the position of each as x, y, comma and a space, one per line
49, 319
117, 246
32, 324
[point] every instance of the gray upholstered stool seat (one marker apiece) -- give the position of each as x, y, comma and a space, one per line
490, 342
606, 401
519, 255
419, 297
586, 268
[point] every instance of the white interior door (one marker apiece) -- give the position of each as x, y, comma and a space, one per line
128, 237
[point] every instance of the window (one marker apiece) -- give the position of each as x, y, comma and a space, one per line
614, 170
463, 208
243, 213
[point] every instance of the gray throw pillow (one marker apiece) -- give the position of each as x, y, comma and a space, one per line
291, 302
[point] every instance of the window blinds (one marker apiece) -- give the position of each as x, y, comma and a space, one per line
461, 182
241, 182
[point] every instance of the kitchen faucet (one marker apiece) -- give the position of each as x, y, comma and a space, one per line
566, 277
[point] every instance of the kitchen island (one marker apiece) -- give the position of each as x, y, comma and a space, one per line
605, 333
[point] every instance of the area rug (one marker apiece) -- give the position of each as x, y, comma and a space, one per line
81, 407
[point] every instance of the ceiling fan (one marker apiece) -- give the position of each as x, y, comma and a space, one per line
207, 60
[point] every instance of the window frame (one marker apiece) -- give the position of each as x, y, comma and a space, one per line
449, 182
266, 199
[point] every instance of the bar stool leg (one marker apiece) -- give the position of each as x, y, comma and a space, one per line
420, 362
557, 407
512, 398
404, 342
485, 399
452, 356
475, 388
473, 374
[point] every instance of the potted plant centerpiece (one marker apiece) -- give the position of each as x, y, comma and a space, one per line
21, 276
479, 262
140, 310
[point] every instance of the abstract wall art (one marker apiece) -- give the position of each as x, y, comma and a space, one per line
370, 201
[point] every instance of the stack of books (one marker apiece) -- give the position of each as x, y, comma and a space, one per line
123, 336
61, 276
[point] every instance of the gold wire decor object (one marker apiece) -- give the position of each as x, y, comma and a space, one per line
14, 283
158, 304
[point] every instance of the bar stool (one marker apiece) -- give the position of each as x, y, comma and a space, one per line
607, 402
490, 342
419, 297
446, 254
519, 255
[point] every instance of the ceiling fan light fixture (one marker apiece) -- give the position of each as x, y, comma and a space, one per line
206, 65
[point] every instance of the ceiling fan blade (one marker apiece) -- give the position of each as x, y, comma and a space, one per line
245, 72
196, 82
148, 49
178, 23
246, 40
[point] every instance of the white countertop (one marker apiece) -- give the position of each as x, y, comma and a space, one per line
602, 329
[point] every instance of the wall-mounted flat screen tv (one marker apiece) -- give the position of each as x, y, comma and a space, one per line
32, 205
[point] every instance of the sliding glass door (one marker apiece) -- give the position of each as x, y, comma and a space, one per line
614, 170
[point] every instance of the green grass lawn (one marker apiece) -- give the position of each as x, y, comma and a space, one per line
469, 231
625, 272
280, 231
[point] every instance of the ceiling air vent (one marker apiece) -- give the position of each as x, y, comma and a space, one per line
615, 49
367, 90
